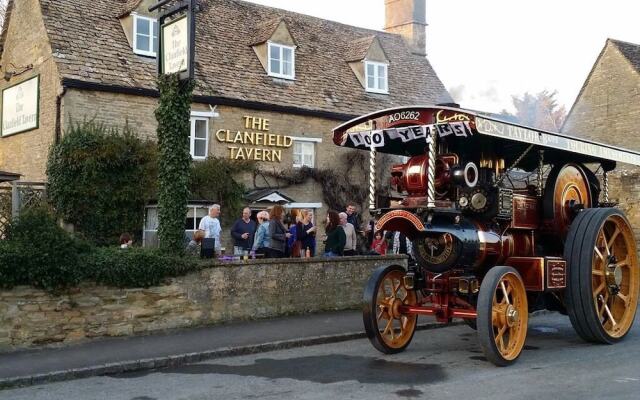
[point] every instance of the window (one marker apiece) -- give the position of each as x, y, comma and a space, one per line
282, 61
304, 154
376, 77
195, 213
145, 36
199, 138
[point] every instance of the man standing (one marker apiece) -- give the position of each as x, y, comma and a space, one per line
243, 231
211, 225
350, 232
352, 216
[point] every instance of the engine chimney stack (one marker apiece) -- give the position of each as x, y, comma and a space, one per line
408, 18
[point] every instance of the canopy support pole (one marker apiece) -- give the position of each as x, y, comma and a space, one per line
431, 170
372, 178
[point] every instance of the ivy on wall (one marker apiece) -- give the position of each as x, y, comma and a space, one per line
215, 179
99, 180
339, 187
174, 160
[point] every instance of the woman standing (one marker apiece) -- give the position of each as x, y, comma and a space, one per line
278, 233
336, 238
261, 240
306, 234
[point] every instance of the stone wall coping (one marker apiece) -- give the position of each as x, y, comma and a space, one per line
289, 261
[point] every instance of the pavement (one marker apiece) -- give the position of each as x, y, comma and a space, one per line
171, 349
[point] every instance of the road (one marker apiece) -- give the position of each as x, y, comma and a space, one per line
439, 364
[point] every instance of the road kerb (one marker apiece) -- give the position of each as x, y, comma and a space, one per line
187, 358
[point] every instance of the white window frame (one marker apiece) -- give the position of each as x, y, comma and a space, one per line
376, 76
305, 141
192, 137
148, 53
278, 74
154, 230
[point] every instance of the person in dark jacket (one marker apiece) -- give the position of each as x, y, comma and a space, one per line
243, 232
336, 238
278, 233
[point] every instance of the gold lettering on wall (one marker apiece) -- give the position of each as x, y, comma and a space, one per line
257, 133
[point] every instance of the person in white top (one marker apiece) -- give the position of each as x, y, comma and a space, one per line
211, 225
350, 231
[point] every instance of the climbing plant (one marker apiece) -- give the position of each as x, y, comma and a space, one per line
174, 161
99, 179
219, 179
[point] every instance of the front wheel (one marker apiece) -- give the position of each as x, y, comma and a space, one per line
503, 315
387, 328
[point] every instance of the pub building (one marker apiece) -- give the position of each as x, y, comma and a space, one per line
271, 84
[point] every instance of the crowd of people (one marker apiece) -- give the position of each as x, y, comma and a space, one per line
276, 234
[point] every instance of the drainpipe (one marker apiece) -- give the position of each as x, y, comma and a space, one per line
58, 133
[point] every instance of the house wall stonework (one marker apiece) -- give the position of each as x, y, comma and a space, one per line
27, 44
608, 107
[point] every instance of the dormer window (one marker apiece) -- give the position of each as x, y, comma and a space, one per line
376, 77
145, 35
282, 61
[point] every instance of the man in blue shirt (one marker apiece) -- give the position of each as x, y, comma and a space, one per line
243, 231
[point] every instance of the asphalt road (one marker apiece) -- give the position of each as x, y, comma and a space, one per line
439, 364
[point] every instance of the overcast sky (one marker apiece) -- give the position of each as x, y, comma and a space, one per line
486, 51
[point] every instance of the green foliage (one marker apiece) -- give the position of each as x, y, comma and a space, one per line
135, 267
100, 179
173, 114
40, 253
213, 179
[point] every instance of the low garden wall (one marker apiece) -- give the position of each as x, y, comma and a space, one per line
222, 293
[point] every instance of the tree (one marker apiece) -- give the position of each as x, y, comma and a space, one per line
539, 111
3, 12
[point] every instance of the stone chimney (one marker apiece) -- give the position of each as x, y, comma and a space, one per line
408, 18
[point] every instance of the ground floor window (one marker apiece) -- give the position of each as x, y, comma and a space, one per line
195, 212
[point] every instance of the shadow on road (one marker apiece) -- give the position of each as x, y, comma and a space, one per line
330, 368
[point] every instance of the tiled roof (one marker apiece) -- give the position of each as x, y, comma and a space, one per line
630, 51
357, 49
89, 45
128, 6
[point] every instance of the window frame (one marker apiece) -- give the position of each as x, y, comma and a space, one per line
376, 76
281, 47
304, 142
152, 21
192, 137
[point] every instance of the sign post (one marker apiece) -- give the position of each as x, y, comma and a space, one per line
177, 44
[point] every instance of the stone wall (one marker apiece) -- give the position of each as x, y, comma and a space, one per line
223, 293
609, 104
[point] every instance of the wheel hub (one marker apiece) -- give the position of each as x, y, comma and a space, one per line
613, 276
512, 316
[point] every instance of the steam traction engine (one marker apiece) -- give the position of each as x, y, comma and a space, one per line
503, 220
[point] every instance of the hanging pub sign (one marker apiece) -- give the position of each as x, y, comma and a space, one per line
20, 106
175, 46
177, 37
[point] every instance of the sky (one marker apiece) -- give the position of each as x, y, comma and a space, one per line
487, 51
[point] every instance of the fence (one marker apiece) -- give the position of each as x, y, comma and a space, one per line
16, 197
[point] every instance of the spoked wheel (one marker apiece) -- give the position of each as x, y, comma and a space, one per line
602, 292
503, 315
387, 328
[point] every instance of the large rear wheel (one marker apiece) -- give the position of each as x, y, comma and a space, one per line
602, 291
503, 315
387, 328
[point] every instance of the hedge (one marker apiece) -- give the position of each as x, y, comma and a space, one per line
37, 252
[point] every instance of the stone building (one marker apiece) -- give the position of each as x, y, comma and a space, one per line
271, 84
606, 110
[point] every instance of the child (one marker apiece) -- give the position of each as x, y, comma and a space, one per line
379, 245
